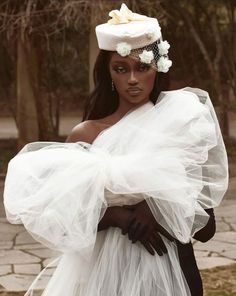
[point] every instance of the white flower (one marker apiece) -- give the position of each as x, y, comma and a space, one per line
163, 64
123, 49
163, 47
146, 56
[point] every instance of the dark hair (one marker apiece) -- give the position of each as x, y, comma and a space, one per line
103, 101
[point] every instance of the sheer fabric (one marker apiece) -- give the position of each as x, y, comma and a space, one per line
171, 154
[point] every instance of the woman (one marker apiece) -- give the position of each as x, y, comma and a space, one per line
137, 88
147, 170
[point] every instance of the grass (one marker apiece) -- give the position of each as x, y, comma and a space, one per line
220, 281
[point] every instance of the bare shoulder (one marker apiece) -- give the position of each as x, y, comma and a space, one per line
85, 131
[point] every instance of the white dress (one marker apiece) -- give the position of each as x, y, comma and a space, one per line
171, 154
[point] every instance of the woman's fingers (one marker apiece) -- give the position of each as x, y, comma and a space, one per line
159, 241
156, 245
148, 247
125, 228
139, 233
152, 242
164, 232
132, 228
134, 231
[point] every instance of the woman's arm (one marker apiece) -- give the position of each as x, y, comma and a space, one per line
207, 232
107, 219
115, 217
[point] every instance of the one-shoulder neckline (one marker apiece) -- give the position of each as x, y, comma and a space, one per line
121, 120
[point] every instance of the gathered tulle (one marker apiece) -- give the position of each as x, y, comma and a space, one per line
171, 154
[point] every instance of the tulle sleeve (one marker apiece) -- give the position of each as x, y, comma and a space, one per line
56, 191
203, 161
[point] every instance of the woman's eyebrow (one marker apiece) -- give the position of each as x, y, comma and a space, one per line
119, 62
137, 64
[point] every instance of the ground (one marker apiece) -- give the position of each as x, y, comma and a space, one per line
220, 281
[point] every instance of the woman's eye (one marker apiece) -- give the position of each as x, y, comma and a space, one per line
120, 70
144, 67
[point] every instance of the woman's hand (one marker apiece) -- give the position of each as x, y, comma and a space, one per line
138, 221
144, 227
116, 217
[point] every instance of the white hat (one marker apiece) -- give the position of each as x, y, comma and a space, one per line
128, 33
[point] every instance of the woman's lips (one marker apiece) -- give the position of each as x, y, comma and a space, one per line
134, 90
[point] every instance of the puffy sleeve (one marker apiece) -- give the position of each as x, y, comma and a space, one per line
198, 177
56, 191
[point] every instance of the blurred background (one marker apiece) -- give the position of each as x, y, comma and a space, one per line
48, 49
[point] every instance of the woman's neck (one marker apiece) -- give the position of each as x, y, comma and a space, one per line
124, 107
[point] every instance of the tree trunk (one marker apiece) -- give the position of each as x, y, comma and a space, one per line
33, 106
224, 121
46, 128
26, 103
93, 47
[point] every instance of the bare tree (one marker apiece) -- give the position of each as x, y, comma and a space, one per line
32, 23
211, 25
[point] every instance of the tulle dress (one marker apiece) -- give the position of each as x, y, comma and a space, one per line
171, 154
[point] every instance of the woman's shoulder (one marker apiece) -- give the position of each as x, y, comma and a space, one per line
82, 132
86, 131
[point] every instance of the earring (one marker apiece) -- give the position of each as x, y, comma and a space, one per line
112, 86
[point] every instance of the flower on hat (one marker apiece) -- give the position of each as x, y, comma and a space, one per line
124, 16
123, 49
163, 47
146, 56
164, 64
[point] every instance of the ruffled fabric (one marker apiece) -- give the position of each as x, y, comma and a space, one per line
171, 154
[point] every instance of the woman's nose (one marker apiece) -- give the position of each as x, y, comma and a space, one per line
132, 78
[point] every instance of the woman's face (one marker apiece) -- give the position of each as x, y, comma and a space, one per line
132, 79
